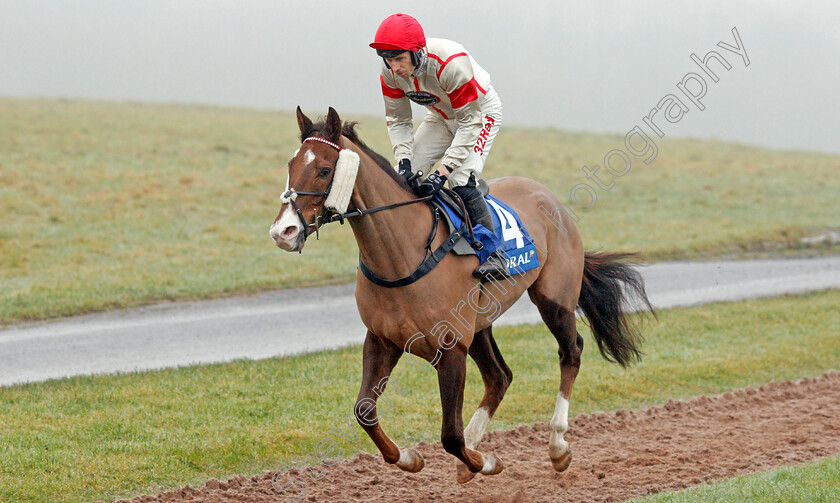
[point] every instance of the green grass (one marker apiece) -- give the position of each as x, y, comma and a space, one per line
88, 438
817, 482
110, 205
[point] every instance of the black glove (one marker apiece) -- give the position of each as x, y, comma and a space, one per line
411, 179
404, 168
431, 185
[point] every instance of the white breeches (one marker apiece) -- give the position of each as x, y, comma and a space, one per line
435, 135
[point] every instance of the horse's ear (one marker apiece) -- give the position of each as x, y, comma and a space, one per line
333, 126
303, 121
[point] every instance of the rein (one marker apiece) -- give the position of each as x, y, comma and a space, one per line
339, 217
329, 216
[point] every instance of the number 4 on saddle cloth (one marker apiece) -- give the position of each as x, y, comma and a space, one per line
510, 236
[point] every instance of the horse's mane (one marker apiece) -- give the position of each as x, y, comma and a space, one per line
349, 130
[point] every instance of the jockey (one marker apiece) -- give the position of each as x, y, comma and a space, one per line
463, 116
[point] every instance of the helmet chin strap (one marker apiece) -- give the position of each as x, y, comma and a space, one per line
419, 59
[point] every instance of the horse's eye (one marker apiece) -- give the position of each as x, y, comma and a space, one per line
324, 172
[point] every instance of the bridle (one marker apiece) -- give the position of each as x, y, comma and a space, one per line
432, 258
291, 195
330, 216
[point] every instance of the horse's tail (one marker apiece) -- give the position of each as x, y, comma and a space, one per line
609, 282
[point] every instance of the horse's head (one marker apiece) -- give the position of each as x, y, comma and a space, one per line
312, 188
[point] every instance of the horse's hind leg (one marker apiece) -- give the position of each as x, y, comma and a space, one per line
452, 370
379, 358
497, 377
561, 321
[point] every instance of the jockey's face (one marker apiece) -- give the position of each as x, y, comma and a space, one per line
401, 65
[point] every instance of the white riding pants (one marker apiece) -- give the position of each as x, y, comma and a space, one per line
435, 135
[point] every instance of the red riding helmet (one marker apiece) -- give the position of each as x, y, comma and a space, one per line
399, 32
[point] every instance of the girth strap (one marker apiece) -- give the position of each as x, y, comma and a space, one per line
430, 263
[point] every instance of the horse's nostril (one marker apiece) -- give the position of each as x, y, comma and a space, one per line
289, 232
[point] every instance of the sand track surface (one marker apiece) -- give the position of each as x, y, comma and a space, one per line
617, 456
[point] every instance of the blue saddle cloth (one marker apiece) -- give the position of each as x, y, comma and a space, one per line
510, 237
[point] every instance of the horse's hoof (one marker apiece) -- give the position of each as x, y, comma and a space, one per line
492, 465
464, 474
561, 463
411, 460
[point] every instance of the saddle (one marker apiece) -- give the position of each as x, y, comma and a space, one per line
464, 239
448, 198
510, 238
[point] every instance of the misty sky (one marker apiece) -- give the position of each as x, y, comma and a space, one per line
593, 66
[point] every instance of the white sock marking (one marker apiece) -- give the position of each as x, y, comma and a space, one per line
405, 462
559, 425
489, 465
475, 430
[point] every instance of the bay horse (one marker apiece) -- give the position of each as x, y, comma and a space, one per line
445, 314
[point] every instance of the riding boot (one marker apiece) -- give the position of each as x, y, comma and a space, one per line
495, 267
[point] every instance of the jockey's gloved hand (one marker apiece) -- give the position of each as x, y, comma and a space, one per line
412, 179
404, 169
431, 185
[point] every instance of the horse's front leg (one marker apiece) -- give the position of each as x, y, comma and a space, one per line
379, 358
452, 370
497, 377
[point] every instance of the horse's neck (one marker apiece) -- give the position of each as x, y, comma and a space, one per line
391, 242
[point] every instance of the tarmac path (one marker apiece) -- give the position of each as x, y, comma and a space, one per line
302, 320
